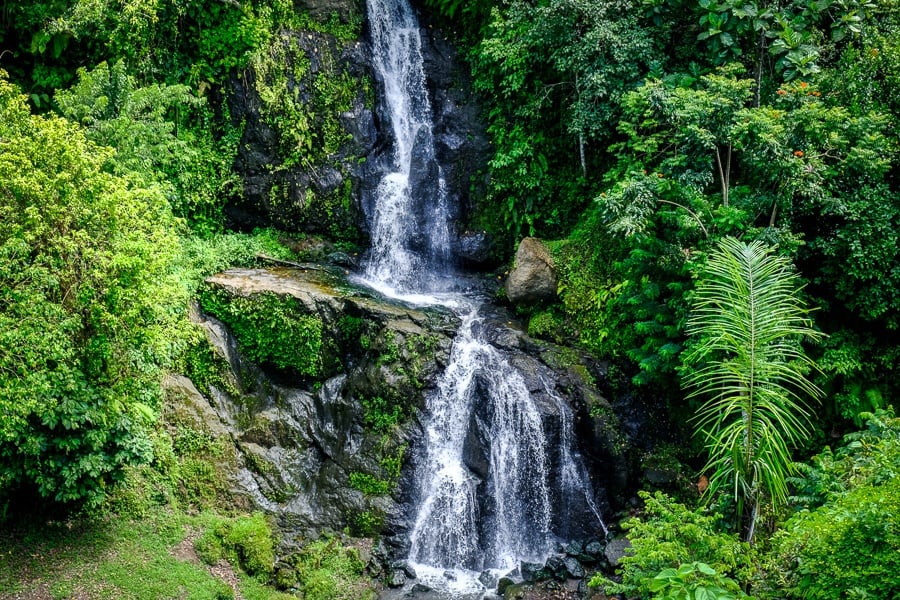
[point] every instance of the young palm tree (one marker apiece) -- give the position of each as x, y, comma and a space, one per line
748, 366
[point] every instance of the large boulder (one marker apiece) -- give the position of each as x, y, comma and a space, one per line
532, 278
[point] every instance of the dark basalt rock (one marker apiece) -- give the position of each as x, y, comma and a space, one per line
573, 568
397, 579
532, 572
488, 579
556, 567
407, 568
474, 249
503, 584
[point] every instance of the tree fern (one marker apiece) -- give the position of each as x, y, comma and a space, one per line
748, 365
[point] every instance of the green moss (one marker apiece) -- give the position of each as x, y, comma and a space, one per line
270, 329
302, 98
246, 541
327, 570
550, 325
303, 90
370, 485
206, 369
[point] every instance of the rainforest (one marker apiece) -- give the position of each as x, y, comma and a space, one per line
334, 299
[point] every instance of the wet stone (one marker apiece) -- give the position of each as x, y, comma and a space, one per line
615, 550
397, 579
503, 584
594, 549
404, 566
573, 568
488, 579
420, 588
574, 548
556, 566
532, 572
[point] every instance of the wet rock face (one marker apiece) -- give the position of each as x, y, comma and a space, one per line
461, 143
314, 141
339, 449
306, 108
327, 452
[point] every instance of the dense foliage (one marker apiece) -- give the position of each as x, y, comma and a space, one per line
844, 541
636, 134
87, 308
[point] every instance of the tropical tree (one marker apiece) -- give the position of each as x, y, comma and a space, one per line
747, 363
90, 310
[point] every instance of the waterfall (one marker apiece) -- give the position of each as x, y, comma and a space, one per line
491, 486
410, 227
450, 529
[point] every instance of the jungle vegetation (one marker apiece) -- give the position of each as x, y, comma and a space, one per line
699, 168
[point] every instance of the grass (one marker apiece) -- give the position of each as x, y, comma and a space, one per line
118, 559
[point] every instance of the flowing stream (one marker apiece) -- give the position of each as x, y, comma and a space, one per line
469, 520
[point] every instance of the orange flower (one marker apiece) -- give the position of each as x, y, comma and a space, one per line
798, 153
803, 85
781, 92
816, 93
659, 175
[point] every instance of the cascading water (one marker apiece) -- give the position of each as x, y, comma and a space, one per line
504, 511
406, 238
450, 530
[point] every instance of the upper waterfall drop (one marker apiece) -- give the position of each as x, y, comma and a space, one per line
410, 227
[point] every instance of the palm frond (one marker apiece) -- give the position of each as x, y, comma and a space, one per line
748, 366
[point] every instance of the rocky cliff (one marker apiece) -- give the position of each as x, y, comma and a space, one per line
314, 135
325, 420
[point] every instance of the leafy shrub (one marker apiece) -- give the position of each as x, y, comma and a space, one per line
669, 536
868, 457
330, 571
694, 581
382, 415
845, 542
270, 329
849, 548
369, 484
192, 167
548, 324
89, 309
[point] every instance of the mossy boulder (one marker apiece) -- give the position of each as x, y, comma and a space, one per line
324, 381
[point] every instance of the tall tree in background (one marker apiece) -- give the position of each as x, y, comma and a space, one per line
748, 366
